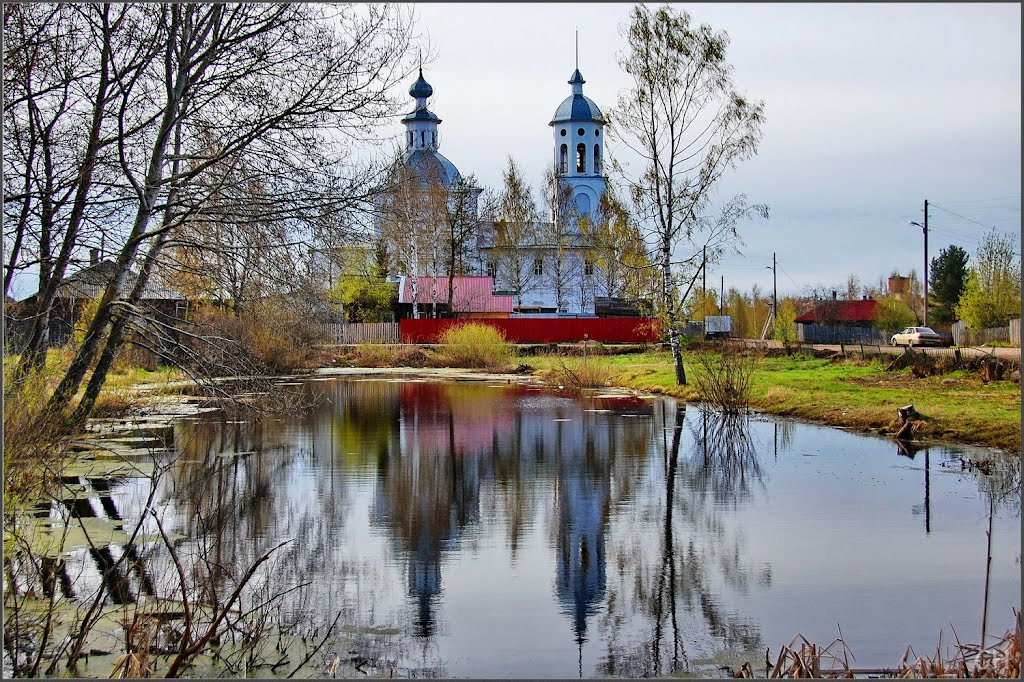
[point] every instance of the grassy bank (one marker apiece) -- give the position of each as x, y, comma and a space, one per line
859, 394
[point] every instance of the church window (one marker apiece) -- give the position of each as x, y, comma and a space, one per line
410, 138
538, 266
596, 132
597, 159
433, 139
582, 204
563, 132
588, 267
563, 160
580, 132
422, 138
581, 158
490, 269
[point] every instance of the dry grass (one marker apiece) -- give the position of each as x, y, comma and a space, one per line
475, 346
579, 374
806, 660
116, 403
36, 442
387, 355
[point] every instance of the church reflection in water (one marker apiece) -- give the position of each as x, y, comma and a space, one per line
428, 486
438, 465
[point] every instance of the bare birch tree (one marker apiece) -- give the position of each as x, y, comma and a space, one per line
514, 230
61, 64
621, 262
264, 80
687, 123
407, 223
562, 237
463, 222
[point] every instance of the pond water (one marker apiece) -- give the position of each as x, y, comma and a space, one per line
501, 530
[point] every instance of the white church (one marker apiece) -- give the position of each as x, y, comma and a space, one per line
557, 269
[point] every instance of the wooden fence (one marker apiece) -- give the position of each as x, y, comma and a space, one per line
962, 336
819, 333
360, 332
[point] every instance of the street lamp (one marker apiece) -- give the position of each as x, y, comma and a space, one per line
924, 228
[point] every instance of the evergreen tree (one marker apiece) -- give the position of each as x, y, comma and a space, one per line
948, 279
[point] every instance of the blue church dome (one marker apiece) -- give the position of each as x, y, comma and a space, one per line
577, 107
431, 165
421, 88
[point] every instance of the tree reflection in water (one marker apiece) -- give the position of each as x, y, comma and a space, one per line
676, 589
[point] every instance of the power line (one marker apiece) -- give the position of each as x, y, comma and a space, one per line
958, 235
963, 217
787, 276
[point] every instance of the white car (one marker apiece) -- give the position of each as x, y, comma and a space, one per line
918, 336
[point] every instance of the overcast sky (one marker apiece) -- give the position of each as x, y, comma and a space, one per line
870, 110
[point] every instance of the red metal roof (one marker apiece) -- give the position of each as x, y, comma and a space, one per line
469, 294
863, 310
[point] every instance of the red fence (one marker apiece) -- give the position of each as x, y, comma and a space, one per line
543, 330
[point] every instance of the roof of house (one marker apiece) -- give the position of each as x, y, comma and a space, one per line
469, 294
89, 282
863, 310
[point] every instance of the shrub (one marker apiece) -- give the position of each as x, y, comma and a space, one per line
474, 345
266, 339
725, 381
580, 374
784, 328
281, 342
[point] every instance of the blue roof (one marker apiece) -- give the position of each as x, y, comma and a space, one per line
577, 108
421, 115
431, 165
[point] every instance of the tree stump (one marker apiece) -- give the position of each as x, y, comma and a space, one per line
907, 415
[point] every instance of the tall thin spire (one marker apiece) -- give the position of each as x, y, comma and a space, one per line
577, 48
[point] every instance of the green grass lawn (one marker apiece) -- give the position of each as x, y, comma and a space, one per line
852, 393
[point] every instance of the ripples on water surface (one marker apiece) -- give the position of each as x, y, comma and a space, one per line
502, 530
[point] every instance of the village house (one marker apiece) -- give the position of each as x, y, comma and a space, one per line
76, 290
840, 321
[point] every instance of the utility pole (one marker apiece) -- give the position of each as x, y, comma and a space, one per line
926, 271
721, 301
925, 229
770, 320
